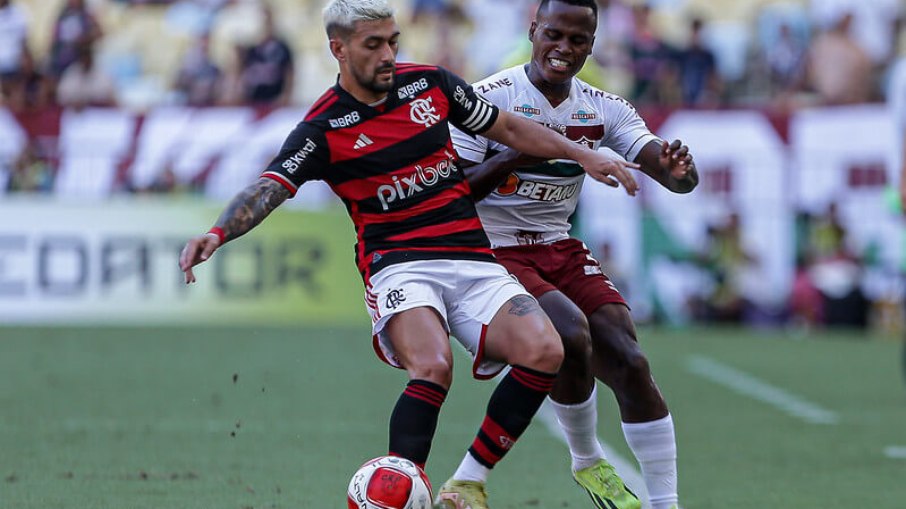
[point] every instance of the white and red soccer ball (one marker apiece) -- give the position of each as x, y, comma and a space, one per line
389, 482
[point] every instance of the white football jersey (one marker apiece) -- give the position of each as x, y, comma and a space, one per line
534, 204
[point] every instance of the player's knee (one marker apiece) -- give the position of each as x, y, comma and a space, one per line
437, 369
576, 340
547, 351
636, 363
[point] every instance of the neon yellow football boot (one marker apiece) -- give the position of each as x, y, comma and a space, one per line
605, 487
461, 495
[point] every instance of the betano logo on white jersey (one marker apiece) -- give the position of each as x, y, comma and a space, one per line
534, 190
541, 198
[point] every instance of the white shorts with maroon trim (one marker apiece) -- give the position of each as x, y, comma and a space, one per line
466, 294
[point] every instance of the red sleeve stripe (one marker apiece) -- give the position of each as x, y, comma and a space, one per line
438, 230
282, 180
404, 68
322, 104
320, 100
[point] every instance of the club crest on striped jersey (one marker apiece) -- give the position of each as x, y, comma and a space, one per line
422, 111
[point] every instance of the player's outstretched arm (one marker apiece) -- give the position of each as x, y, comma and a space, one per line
243, 213
534, 139
670, 164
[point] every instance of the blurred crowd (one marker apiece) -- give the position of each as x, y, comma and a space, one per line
827, 288
669, 53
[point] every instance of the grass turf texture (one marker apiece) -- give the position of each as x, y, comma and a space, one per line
262, 418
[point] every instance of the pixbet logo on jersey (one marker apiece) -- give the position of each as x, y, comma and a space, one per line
423, 177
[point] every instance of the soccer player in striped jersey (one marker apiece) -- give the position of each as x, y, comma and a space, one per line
525, 213
380, 138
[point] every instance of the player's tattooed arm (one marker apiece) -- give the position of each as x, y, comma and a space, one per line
243, 213
250, 207
522, 305
670, 164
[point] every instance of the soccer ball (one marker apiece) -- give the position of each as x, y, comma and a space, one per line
389, 482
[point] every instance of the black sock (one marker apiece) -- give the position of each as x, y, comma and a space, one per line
414, 420
510, 410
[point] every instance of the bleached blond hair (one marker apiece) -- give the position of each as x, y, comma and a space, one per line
340, 16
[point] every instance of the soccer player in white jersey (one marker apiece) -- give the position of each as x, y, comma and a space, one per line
525, 214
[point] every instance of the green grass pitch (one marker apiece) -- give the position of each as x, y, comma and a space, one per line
240, 418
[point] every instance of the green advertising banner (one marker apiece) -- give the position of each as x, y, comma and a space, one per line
116, 262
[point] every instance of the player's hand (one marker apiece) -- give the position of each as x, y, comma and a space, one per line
198, 249
611, 169
675, 157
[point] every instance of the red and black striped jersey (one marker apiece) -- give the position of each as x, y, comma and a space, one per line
394, 166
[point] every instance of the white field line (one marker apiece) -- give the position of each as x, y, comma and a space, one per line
627, 469
897, 452
748, 385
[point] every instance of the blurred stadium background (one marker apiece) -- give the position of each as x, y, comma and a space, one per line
126, 125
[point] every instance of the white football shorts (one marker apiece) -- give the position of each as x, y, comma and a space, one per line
465, 293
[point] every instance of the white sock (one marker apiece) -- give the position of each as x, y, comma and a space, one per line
471, 470
654, 446
580, 424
